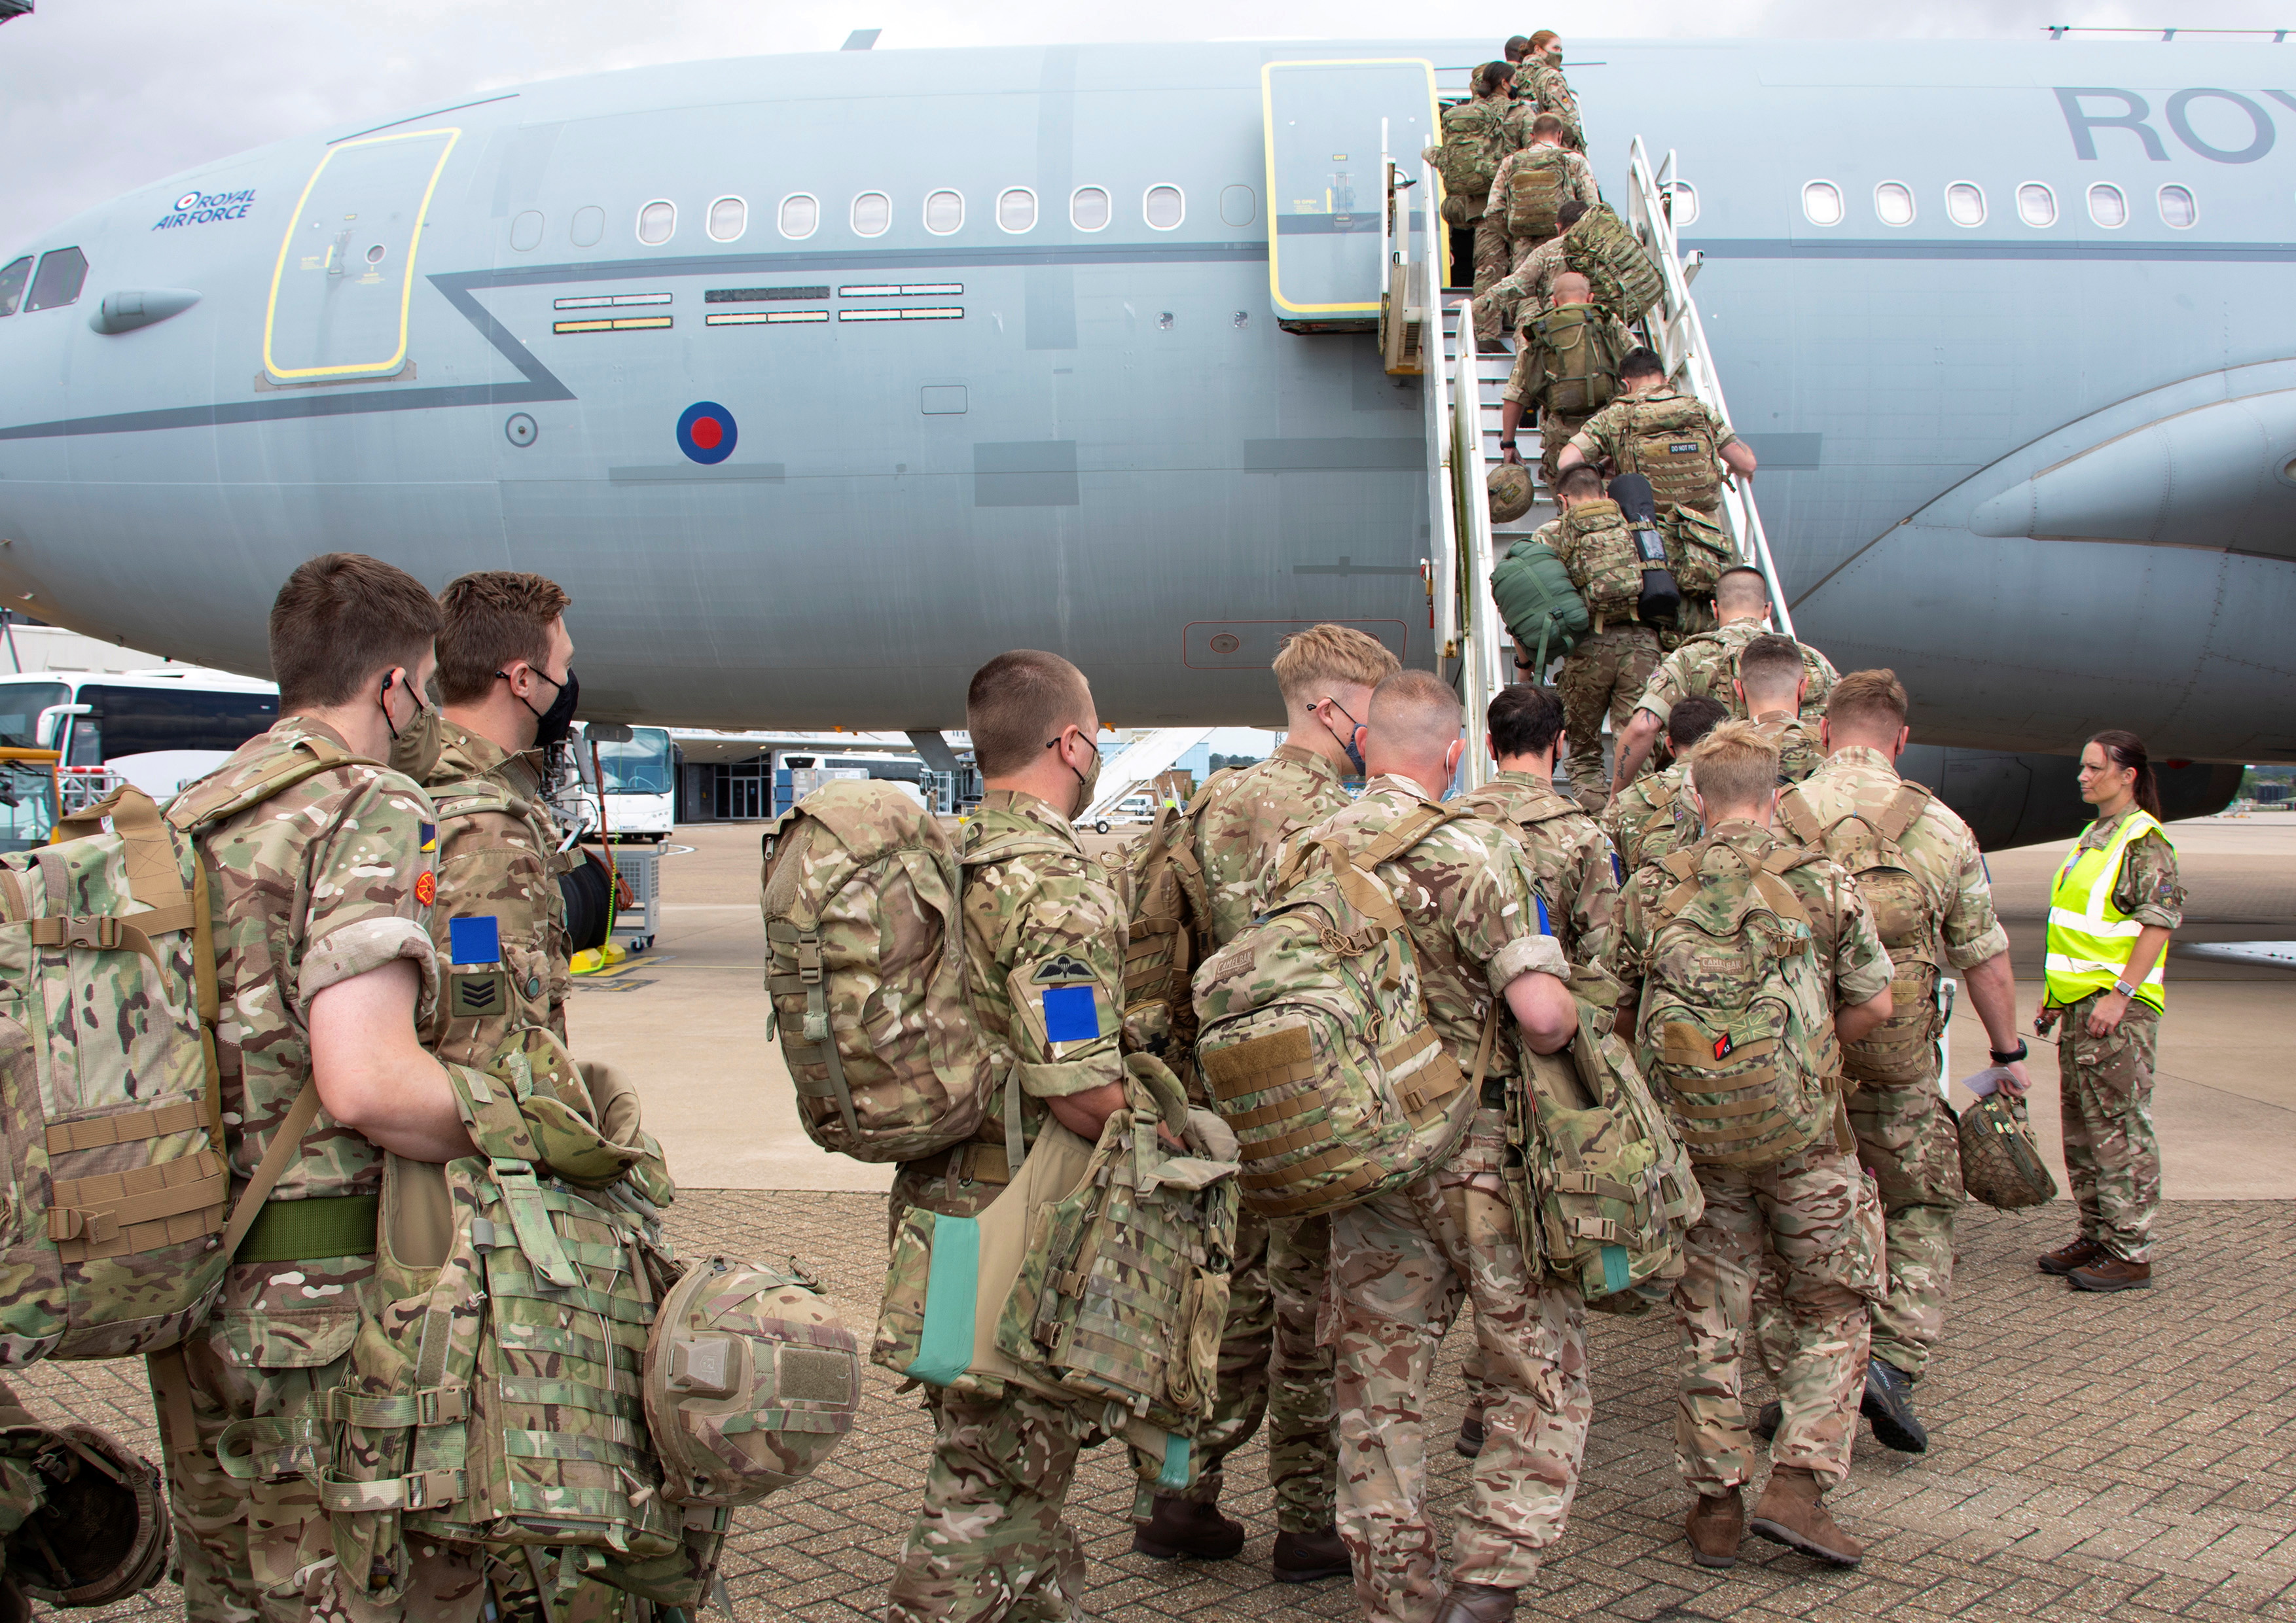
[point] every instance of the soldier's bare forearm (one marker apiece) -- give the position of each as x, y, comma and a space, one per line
1993, 994
373, 1073
1633, 750
1860, 1021
1085, 1114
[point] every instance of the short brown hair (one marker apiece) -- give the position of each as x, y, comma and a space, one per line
1326, 654
1546, 123
1740, 587
1018, 700
491, 618
1523, 720
1867, 701
1416, 708
1770, 662
1733, 767
342, 622
1580, 479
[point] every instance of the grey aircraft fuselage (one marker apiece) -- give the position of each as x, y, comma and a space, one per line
2043, 465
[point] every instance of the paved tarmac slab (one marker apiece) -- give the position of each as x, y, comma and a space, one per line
2130, 1457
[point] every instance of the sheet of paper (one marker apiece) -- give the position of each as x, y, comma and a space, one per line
1986, 1081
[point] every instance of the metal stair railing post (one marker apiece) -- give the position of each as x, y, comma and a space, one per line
1442, 501
1681, 340
1478, 670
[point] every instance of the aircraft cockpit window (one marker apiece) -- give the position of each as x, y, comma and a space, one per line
589, 227
656, 221
873, 212
1893, 201
60, 277
1165, 208
1964, 203
1681, 203
1821, 201
800, 214
525, 235
729, 218
1016, 210
2037, 205
2177, 208
2107, 206
1088, 209
12, 284
944, 212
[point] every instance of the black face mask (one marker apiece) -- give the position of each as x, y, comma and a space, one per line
1345, 741
554, 726
382, 703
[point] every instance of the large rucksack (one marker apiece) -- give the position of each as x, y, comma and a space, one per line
1535, 191
1171, 913
1736, 1021
1668, 442
1598, 548
1576, 373
865, 961
1475, 141
1696, 550
1864, 839
1538, 604
1603, 248
1672, 814
1314, 1039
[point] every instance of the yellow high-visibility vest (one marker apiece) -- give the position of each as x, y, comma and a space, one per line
2090, 937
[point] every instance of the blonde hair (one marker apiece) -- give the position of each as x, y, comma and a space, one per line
1327, 654
1867, 701
1733, 767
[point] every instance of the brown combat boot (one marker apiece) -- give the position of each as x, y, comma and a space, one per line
1184, 1527
1470, 1435
2065, 1258
1717, 1521
2112, 1274
1476, 1603
1791, 1514
1303, 1558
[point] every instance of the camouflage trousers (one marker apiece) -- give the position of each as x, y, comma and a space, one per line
990, 1542
1820, 1212
2113, 1159
1492, 263
1604, 675
1555, 430
1272, 1364
1402, 1267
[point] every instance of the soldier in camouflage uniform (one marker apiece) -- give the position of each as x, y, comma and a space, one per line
1493, 104
1539, 84
320, 896
1577, 177
1771, 680
1528, 289
2108, 1008
1652, 815
1271, 1357
1609, 669
1706, 667
1815, 1205
1527, 382
1404, 1263
990, 1542
1608, 437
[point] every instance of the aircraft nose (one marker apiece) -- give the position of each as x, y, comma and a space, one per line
2222, 476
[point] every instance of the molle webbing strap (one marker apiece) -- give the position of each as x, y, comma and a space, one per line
302, 1231
285, 1145
1904, 809
804, 944
1798, 815
112, 1213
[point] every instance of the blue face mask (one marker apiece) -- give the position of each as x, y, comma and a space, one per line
1345, 741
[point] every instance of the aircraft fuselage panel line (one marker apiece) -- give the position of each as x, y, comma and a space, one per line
1794, 247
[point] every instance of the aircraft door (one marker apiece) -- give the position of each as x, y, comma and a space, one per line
344, 281
1324, 180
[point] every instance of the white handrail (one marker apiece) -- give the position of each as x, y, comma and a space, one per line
1681, 342
1442, 501
1478, 672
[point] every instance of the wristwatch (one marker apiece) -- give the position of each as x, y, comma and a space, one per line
2124, 988
2000, 1058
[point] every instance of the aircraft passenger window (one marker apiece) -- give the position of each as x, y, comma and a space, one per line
872, 211
729, 218
800, 215
60, 277
589, 225
1088, 209
525, 233
656, 221
2037, 205
2177, 208
944, 212
12, 284
2107, 207
1681, 203
1821, 201
1238, 205
1165, 208
1893, 201
1964, 203
1016, 210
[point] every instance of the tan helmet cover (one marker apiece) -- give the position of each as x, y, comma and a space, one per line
750, 1381
103, 1532
1510, 492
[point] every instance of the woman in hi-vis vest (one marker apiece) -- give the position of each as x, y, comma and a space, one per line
2111, 908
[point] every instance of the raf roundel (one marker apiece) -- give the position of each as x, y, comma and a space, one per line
187, 200
706, 432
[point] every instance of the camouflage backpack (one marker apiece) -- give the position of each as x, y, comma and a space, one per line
1864, 839
1623, 276
1668, 442
1474, 140
116, 1238
1735, 1020
1171, 910
865, 960
1598, 546
1315, 1039
1535, 191
1537, 603
1577, 370
1672, 814
1799, 755
1696, 550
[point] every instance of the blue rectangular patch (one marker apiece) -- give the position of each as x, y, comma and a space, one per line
475, 940
1069, 1016
429, 832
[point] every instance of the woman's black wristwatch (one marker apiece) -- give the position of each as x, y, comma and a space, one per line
2009, 1059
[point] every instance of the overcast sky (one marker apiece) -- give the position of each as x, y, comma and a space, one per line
98, 96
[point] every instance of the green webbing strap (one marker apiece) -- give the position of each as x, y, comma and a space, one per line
816, 1025
605, 1446
422, 1491
572, 1395
952, 1284
491, 1236
302, 1231
530, 1217
1175, 1474
437, 1406
508, 1283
